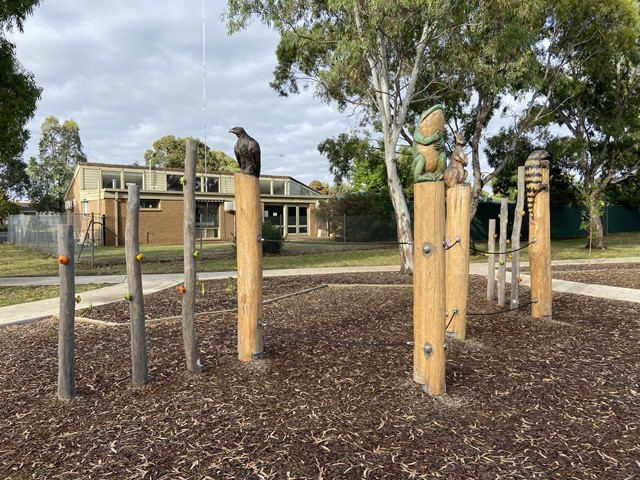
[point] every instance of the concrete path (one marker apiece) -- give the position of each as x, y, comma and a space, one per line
28, 312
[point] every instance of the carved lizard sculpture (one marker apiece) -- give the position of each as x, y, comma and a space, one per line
429, 157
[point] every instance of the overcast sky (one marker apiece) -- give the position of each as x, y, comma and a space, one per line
130, 72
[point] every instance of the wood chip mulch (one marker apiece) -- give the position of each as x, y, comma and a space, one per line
333, 397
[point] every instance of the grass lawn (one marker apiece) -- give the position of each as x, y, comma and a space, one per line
214, 257
17, 295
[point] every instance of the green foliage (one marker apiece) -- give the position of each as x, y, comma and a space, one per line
7, 207
231, 285
19, 95
320, 187
170, 152
562, 188
624, 193
596, 56
273, 240
353, 159
59, 151
13, 13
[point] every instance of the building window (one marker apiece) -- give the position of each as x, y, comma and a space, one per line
111, 180
208, 219
297, 220
149, 203
265, 187
173, 183
278, 187
85, 208
213, 185
275, 214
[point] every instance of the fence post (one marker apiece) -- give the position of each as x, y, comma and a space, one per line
429, 288
93, 239
249, 258
515, 242
66, 347
491, 272
502, 248
189, 231
103, 230
134, 280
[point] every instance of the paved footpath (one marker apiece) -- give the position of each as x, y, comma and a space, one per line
28, 312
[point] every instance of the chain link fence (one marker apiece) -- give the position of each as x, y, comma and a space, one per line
361, 228
40, 232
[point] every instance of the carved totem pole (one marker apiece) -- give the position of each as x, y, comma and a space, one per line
536, 176
429, 162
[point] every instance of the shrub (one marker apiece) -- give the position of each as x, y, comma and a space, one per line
273, 241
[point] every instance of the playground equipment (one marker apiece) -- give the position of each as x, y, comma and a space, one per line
534, 179
66, 345
249, 258
189, 338
133, 257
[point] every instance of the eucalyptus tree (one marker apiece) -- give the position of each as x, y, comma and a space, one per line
59, 151
362, 54
19, 95
170, 151
594, 51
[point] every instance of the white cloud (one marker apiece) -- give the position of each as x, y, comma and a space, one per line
131, 72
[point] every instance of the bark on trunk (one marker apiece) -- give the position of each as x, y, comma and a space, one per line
403, 219
596, 235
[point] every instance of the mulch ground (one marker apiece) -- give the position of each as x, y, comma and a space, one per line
333, 397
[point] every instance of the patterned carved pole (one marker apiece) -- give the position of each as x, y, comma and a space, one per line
536, 170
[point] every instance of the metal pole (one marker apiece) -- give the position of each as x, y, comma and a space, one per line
93, 239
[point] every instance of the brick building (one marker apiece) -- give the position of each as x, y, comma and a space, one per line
101, 189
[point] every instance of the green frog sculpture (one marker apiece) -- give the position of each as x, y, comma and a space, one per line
429, 156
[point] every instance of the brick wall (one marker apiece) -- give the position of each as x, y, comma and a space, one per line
163, 226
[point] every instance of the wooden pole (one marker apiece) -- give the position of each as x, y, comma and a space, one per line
189, 338
457, 258
515, 242
502, 248
540, 252
139, 367
66, 347
429, 295
491, 272
249, 251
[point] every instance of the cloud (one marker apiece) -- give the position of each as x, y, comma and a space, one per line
131, 72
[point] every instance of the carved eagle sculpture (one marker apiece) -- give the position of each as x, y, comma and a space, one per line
247, 152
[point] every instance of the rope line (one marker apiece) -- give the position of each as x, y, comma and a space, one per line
448, 246
505, 252
455, 312
498, 312
332, 341
335, 244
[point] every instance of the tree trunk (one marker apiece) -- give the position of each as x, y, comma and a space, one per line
596, 234
403, 219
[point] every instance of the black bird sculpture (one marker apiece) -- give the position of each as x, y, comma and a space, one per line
247, 152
